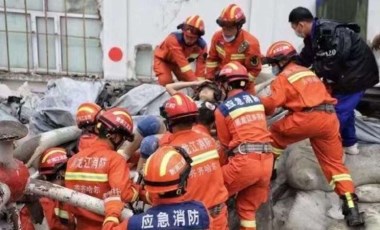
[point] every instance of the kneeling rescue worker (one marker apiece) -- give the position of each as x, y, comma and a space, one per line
242, 131
180, 49
166, 175
312, 115
233, 43
97, 169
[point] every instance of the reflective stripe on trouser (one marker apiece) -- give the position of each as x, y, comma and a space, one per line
248, 224
323, 131
350, 201
163, 71
249, 177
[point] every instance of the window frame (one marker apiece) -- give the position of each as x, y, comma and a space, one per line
32, 30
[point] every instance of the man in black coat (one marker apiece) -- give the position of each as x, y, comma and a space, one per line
348, 67
343, 59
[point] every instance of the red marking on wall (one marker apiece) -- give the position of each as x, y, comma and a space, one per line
115, 54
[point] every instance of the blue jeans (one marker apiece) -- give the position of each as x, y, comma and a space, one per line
345, 112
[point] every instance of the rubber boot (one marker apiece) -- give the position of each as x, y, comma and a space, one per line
351, 211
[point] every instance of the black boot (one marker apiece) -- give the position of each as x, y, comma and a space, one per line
351, 211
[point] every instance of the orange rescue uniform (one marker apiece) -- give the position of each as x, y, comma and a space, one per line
95, 171
205, 182
86, 140
173, 55
56, 215
244, 49
301, 91
240, 120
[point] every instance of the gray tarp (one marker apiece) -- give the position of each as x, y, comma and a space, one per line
58, 107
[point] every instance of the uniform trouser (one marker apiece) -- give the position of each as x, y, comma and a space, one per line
248, 176
323, 130
346, 115
163, 71
220, 222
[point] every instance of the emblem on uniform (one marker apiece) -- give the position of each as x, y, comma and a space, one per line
254, 60
243, 47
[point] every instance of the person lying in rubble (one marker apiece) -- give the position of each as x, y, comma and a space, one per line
204, 90
170, 207
312, 115
98, 168
51, 168
207, 95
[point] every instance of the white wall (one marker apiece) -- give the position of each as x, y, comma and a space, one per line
128, 23
373, 25
269, 21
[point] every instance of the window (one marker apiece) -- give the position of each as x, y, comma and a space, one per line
345, 11
50, 36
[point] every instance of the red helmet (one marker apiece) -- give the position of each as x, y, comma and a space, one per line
86, 114
117, 120
167, 170
193, 26
231, 15
233, 71
279, 51
179, 106
51, 160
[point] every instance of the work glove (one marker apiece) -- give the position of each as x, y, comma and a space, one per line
112, 203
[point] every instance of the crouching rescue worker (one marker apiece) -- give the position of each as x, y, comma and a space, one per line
177, 52
312, 115
206, 180
52, 167
166, 176
86, 118
97, 169
233, 43
242, 131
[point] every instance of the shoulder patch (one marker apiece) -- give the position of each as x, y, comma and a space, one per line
201, 43
179, 37
254, 61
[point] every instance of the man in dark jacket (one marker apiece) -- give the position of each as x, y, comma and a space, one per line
344, 60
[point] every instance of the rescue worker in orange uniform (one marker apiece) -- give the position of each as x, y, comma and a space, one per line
242, 131
312, 115
52, 167
86, 120
166, 175
233, 43
181, 113
97, 169
177, 52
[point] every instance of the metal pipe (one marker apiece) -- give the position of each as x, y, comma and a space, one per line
67, 40
46, 37
27, 36
6, 34
65, 195
5, 195
84, 38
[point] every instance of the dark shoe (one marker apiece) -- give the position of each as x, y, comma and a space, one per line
351, 211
